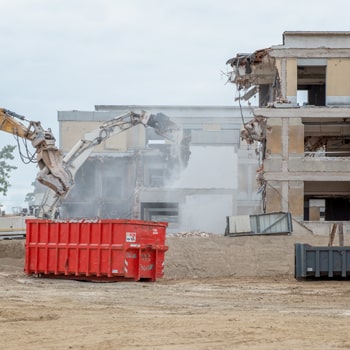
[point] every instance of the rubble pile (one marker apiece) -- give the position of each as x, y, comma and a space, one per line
193, 233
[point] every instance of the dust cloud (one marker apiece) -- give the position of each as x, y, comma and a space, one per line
209, 167
108, 187
208, 185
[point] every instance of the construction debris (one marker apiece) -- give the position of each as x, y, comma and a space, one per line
192, 233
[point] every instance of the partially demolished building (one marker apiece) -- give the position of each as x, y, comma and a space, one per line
302, 123
130, 175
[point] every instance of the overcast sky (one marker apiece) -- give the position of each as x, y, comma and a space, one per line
75, 54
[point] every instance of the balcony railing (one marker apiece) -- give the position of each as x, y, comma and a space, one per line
327, 154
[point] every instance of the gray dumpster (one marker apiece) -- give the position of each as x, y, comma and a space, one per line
321, 261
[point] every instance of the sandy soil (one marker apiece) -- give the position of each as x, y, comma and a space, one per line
217, 293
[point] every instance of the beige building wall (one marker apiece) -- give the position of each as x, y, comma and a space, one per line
274, 139
292, 79
338, 73
285, 140
295, 136
73, 131
296, 198
274, 196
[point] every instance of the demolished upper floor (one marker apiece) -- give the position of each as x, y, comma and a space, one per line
307, 69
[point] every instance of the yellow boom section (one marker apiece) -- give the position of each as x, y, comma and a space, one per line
12, 126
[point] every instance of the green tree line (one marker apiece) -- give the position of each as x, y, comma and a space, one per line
6, 154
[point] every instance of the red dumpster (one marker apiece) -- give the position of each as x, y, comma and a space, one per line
106, 250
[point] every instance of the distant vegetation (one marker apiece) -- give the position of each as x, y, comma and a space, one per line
6, 154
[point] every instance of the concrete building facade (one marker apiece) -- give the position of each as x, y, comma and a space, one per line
302, 123
129, 175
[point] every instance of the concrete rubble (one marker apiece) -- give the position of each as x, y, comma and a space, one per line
192, 233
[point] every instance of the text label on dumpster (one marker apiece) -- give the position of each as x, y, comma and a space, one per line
130, 236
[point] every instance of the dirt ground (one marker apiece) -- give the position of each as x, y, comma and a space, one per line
217, 293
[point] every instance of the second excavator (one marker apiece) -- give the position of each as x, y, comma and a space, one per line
80, 152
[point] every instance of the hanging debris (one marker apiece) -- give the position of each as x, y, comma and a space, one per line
254, 130
255, 73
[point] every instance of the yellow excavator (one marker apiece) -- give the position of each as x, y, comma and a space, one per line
48, 157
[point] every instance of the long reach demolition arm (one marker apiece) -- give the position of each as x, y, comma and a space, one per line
76, 157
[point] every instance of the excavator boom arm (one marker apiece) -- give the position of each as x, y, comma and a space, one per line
9, 124
76, 157
49, 157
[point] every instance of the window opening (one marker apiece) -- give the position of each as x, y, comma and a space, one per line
312, 79
168, 212
326, 201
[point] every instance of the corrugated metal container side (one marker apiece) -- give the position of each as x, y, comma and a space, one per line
271, 223
108, 250
318, 262
261, 224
